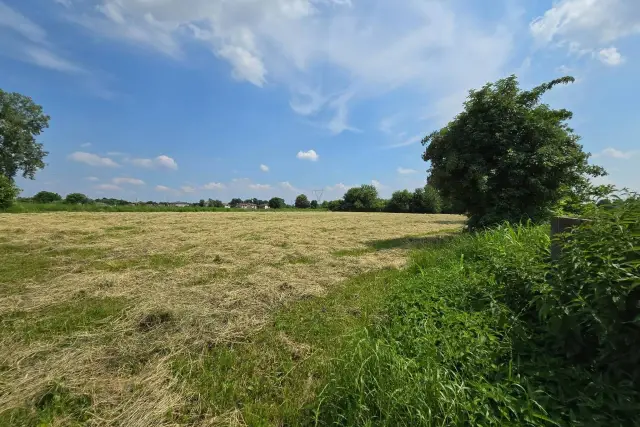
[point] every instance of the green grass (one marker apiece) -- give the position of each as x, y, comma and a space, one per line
65, 319
54, 403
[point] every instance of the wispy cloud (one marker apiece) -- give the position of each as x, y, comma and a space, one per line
406, 171
108, 187
214, 186
125, 180
264, 168
616, 154
260, 187
409, 141
93, 159
187, 189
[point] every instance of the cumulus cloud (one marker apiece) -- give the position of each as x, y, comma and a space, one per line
377, 184
586, 25
308, 155
157, 163
125, 180
214, 186
107, 187
406, 171
289, 187
610, 56
264, 168
433, 46
92, 159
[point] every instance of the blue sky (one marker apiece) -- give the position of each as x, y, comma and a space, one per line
190, 99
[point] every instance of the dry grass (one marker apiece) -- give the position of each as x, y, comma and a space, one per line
104, 302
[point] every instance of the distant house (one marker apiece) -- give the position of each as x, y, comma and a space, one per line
180, 204
227, 206
247, 206
265, 206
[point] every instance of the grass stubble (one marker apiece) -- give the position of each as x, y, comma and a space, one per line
104, 315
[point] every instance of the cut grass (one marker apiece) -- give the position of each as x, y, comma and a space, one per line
220, 291
65, 319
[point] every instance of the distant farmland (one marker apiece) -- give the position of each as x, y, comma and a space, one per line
96, 308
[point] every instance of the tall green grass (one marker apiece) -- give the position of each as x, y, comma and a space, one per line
488, 331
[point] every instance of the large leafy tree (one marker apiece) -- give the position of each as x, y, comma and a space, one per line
277, 203
400, 201
302, 202
21, 121
363, 198
507, 156
8, 192
46, 197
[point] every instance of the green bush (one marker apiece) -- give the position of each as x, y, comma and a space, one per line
76, 199
8, 192
46, 197
488, 331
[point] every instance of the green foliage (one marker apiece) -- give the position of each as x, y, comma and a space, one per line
202, 203
277, 203
426, 200
235, 202
314, 204
76, 199
487, 331
214, 204
46, 197
507, 157
334, 205
302, 202
22, 120
363, 198
400, 202
8, 192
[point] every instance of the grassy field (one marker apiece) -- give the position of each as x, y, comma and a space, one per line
141, 319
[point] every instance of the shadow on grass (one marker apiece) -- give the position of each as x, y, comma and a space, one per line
409, 242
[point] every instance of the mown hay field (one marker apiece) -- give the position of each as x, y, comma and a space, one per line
95, 307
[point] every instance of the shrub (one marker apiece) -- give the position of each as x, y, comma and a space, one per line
76, 199
46, 197
277, 203
8, 192
426, 200
400, 202
363, 198
302, 202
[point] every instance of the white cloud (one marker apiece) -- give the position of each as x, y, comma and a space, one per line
610, 56
339, 187
47, 59
408, 141
166, 161
107, 187
214, 186
308, 155
165, 189
260, 187
87, 144
17, 22
124, 180
92, 178
116, 154
187, 189
159, 162
585, 25
264, 168
435, 47
289, 187
616, 154
406, 171
377, 184
387, 124
92, 159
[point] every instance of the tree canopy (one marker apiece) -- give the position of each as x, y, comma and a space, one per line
46, 197
302, 202
363, 198
21, 121
8, 192
76, 198
507, 156
277, 203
